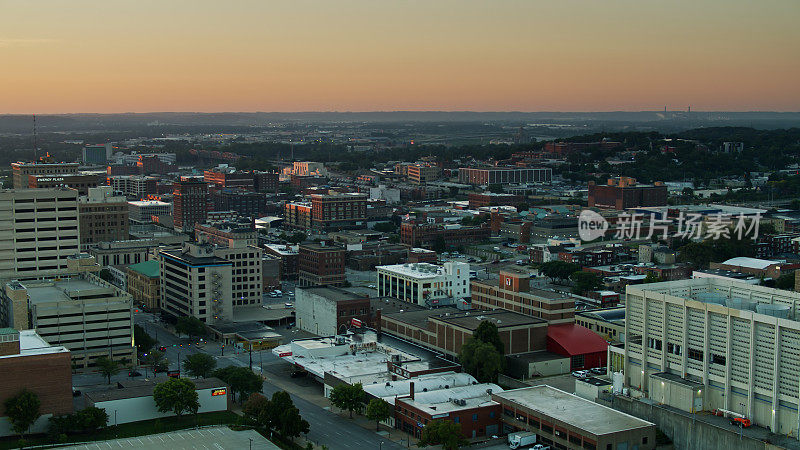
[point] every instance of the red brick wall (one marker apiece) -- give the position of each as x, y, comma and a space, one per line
49, 376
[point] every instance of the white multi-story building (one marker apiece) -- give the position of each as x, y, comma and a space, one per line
238, 245
83, 313
712, 343
424, 284
38, 231
196, 282
144, 210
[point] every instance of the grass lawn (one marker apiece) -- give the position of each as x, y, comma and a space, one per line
133, 429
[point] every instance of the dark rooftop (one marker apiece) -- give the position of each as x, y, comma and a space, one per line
333, 293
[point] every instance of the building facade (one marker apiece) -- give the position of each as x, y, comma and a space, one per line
328, 311
102, 216
624, 192
424, 284
143, 283
38, 231
195, 282
487, 176
21, 170
321, 264
739, 344
512, 292
190, 203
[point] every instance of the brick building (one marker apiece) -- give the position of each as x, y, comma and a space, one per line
504, 175
28, 362
427, 234
80, 182
46, 166
423, 173
153, 164
338, 211
144, 282
244, 203
321, 264
625, 192
327, 311
228, 177
190, 203
265, 181
447, 329
481, 199
102, 217
289, 259
512, 292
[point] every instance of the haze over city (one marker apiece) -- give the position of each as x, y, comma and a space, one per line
359, 55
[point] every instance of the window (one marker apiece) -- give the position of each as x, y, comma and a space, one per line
644, 440
696, 355
475, 417
717, 359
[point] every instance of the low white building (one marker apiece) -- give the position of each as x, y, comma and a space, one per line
144, 210
134, 400
424, 284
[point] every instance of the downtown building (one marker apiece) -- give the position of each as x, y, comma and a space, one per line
189, 203
239, 246
38, 231
424, 284
102, 216
504, 175
81, 312
712, 343
21, 171
195, 282
134, 186
512, 292
321, 264
624, 192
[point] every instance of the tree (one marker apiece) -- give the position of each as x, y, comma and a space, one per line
584, 282
256, 409
190, 325
560, 270
199, 365
378, 410
91, 418
439, 244
487, 332
108, 367
349, 397
652, 277
291, 424
242, 380
385, 227
481, 360
297, 238
177, 395
442, 432
154, 360
785, 281
144, 342
22, 410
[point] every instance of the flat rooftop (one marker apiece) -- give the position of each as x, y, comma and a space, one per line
218, 437
141, 388
471, 319
415, 270
333, 293
441, 401
46, 292
30, 344
571, 409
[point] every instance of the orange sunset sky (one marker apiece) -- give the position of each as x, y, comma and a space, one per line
362, 55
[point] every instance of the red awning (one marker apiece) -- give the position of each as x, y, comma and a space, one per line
571, 339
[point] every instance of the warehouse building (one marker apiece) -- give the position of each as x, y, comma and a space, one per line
720, 344
563, 420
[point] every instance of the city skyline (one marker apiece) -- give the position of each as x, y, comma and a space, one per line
365, 56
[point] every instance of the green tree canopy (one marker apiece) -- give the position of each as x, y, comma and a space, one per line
22, 410
349, 397
481, 360
177, 395
199, 365
242, 380
107, 367
558, 270
584, 282
487, 332
190, 325
144, 342
291, 424
277, 414
155, 360
378, 410
443, 432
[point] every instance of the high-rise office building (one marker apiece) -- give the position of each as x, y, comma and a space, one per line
190, 203
102, 216
239, 246
195, 282
38, 231
45, 166
97, 154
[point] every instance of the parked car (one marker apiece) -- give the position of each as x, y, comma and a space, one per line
76, 392
288, 305
580, 373
599, 370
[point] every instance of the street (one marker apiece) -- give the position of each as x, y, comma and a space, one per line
327, 428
